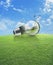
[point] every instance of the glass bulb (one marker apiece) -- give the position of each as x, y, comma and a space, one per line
33, 28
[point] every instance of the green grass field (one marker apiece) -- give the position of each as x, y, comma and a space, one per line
26, 50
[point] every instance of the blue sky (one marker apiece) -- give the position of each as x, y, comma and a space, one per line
13, 12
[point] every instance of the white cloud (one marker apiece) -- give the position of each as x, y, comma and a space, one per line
3, 26
6, 24
17, 9
48, 5
6, 4
47, 22
1, 2
50, 1
8, 1
47, 13
51, 17
47, 8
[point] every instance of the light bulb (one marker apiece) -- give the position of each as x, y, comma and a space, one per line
31, 29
